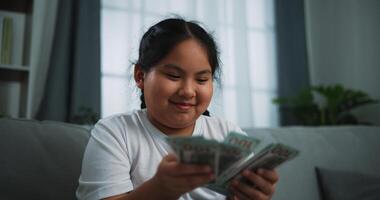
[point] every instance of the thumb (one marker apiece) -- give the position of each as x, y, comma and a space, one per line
168, 163
170, 158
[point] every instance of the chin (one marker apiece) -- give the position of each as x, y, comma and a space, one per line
182, 121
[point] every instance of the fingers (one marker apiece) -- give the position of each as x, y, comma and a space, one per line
197, 180
242, 192
170, 158
263, 181
232, 198
174, 177
262, 184
188, 169
191, 169
269, 175
172, 167
245, 191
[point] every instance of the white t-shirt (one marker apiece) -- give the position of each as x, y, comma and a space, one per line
125, 150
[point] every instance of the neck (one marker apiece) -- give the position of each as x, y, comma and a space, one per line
170, 131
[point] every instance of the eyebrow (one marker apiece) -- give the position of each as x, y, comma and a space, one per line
176, 67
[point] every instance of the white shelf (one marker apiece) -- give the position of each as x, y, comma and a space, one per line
15, 67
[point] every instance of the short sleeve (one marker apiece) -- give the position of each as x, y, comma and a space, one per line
232, 127
106, 165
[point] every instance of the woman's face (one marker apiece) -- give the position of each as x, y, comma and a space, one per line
178, 89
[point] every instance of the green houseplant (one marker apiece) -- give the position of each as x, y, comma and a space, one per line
326, 105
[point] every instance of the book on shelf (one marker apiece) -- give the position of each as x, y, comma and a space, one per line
12, 37
6, 44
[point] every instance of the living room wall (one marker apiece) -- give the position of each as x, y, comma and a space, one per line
343, 39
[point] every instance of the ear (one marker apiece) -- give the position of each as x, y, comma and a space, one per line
139, 76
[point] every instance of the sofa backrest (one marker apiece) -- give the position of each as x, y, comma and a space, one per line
40, 160
346, 148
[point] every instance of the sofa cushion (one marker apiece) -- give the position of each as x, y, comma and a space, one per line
40, 160
339, 185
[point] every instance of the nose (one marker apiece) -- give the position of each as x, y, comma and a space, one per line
187, 89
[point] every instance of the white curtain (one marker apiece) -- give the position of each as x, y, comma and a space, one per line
244, 31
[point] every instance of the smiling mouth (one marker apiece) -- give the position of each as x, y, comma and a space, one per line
183, 106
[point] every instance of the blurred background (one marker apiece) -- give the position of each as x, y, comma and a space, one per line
77, 58
244, 31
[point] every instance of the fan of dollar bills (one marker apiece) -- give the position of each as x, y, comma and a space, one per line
229, 157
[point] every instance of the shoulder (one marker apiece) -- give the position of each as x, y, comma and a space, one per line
118, 124
121, 120
217, 127
221, 123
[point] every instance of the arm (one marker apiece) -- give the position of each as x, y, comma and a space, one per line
172, 180
147, 191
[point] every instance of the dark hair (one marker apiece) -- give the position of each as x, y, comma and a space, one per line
162, 37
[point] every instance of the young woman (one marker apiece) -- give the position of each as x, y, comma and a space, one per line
127, 156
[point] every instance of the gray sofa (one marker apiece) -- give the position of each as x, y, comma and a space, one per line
42, 160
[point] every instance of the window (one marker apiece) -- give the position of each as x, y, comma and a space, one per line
244, 32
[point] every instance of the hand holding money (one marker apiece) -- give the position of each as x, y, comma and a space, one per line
230, 158
218, 155
259, 185
175, 179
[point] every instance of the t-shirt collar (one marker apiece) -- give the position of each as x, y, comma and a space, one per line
153, 130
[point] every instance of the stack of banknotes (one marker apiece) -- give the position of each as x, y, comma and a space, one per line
229, 157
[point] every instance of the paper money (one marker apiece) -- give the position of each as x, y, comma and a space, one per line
269, 158
246, 143
196, 150
218, 155
175, 142
230, 157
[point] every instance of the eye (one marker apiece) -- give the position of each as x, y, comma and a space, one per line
173, 76
202, 80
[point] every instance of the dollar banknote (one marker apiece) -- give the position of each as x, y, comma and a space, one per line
175, 142
269, 158
228, 154
219, 155
229, 157
196, 150
246, 143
